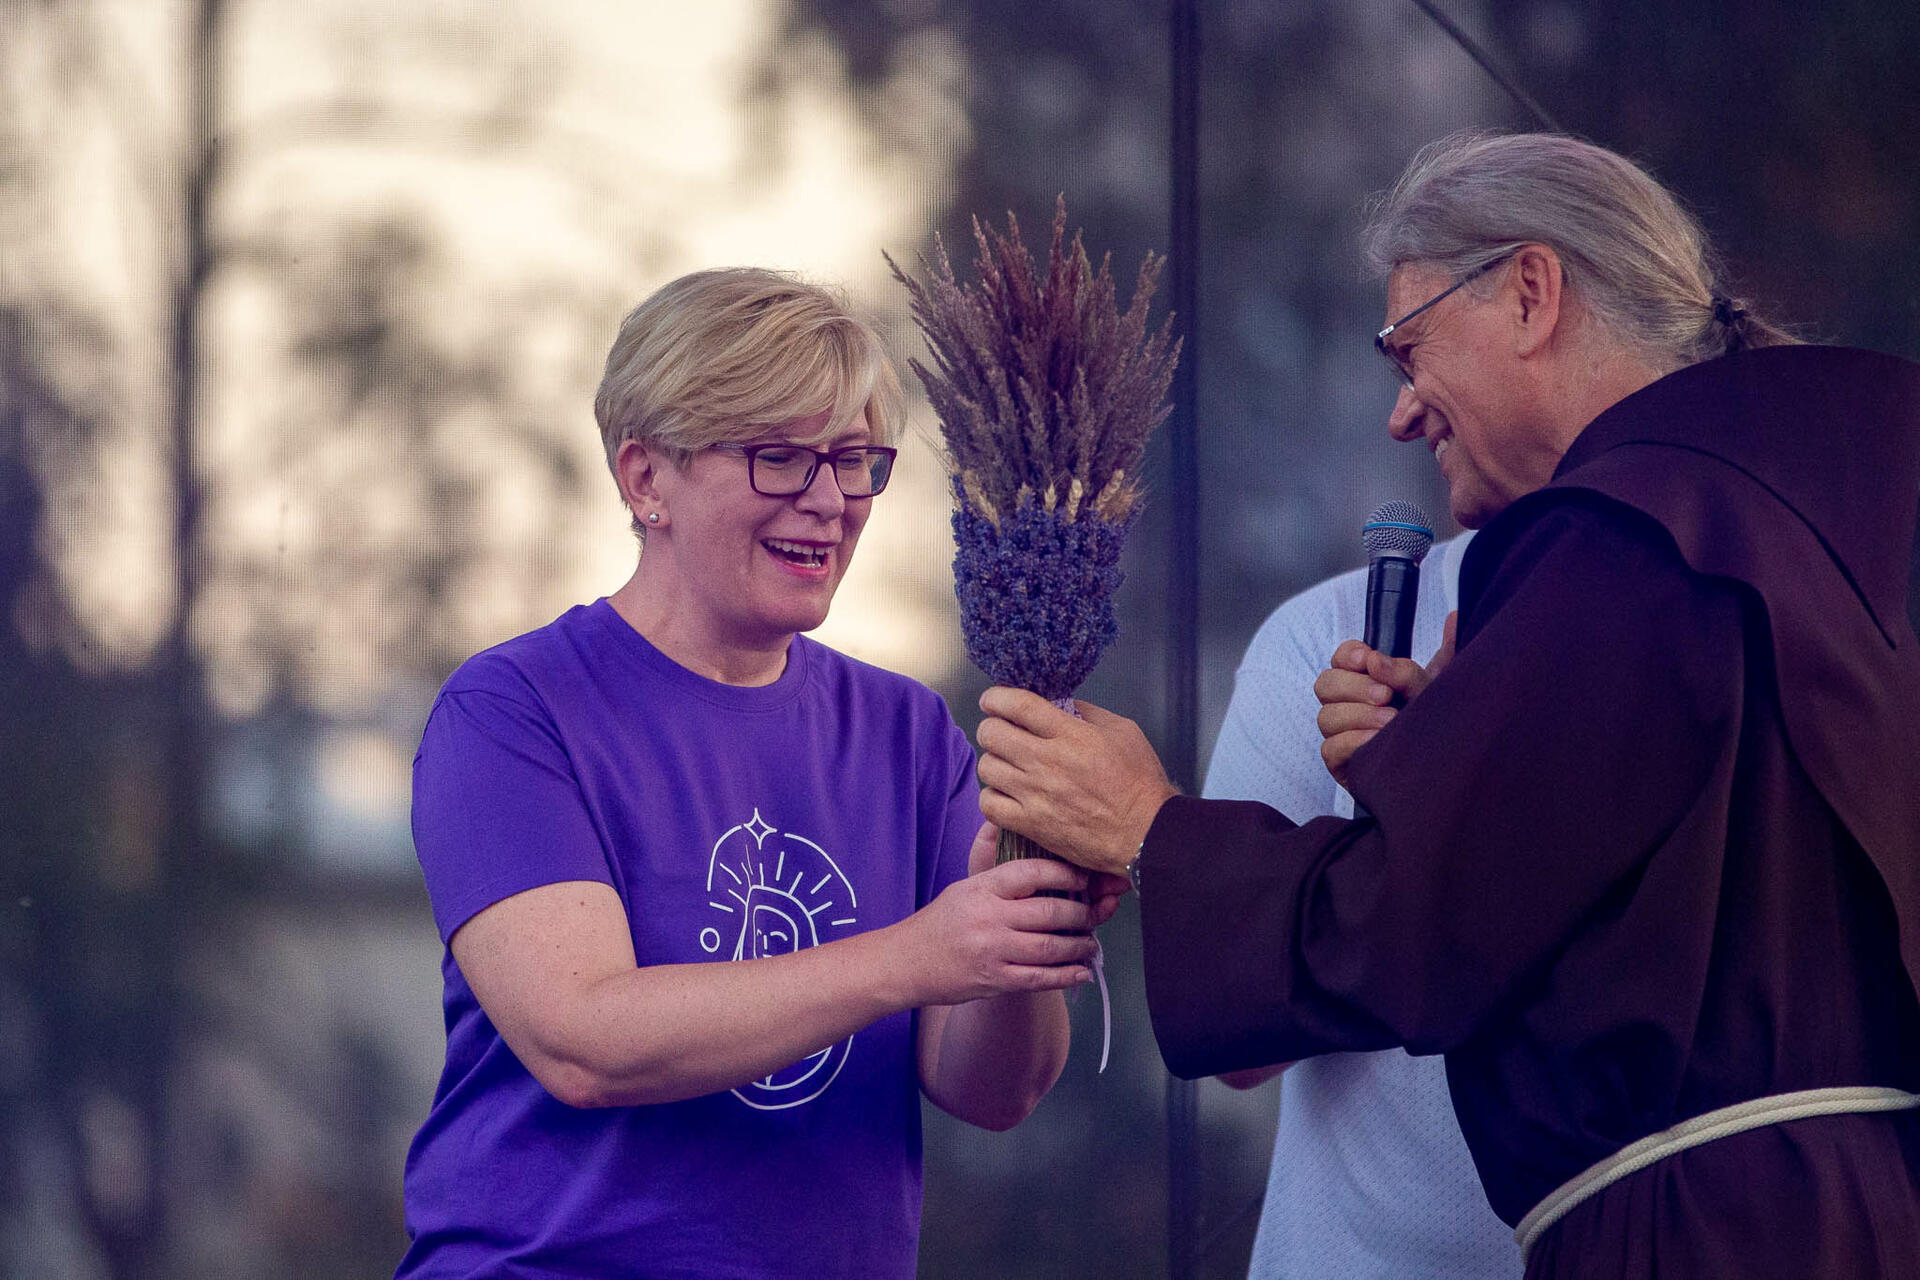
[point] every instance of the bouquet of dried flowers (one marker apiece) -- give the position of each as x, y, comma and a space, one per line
1046, 393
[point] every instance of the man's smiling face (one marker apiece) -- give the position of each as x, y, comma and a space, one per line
1467, 397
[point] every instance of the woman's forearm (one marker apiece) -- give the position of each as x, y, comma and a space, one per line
667, 1032
990, 1062
554, 969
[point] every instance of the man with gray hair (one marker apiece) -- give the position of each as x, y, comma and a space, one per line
1643, 859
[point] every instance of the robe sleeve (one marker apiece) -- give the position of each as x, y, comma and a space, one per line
1514, 804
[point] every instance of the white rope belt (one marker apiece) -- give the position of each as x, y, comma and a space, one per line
1727, 1121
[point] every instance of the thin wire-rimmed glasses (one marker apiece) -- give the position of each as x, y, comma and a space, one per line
782, 470
1400, 369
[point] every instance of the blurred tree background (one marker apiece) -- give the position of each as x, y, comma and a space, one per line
301, 309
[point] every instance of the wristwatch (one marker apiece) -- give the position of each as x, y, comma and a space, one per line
1133, 868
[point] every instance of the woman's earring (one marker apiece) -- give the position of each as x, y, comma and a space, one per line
653, 517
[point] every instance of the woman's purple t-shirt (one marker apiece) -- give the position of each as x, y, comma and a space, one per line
733, 822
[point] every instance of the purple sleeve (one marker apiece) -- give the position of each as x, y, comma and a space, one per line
951, 815
496, 806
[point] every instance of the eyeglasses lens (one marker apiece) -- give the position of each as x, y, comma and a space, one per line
1400, 371
860, 473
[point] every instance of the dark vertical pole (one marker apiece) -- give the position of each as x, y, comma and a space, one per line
189, 291
181, 868
1183, 569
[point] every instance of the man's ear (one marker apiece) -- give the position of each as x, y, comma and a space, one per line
637, 468
1538, 287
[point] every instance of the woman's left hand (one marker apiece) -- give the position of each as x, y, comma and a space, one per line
1103, 891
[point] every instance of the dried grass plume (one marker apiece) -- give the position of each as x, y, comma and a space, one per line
1045, 390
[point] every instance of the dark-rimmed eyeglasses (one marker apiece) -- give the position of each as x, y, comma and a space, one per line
782, 470
1401, 370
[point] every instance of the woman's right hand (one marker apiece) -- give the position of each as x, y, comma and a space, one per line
994, 933
1355, 692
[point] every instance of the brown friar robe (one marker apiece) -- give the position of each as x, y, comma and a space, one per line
1648, 847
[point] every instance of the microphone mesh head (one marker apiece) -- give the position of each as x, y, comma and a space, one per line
1397, 529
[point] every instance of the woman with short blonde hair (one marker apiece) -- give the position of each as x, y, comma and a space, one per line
717, 903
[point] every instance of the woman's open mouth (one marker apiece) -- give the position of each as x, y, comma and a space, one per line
807, 555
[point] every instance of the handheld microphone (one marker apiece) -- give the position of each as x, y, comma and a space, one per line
1397, 537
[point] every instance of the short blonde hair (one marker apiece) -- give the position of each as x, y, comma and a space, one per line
719, 356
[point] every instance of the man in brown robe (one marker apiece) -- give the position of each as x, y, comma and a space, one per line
1647, 851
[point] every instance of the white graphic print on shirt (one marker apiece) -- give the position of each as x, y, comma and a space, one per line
780, 891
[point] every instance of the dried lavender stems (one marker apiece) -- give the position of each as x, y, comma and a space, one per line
1046, 394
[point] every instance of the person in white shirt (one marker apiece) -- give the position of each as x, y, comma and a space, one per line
1370, 1176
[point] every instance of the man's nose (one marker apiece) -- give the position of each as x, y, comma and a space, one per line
1408, 419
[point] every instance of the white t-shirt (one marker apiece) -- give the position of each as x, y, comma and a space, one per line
1370, 1177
